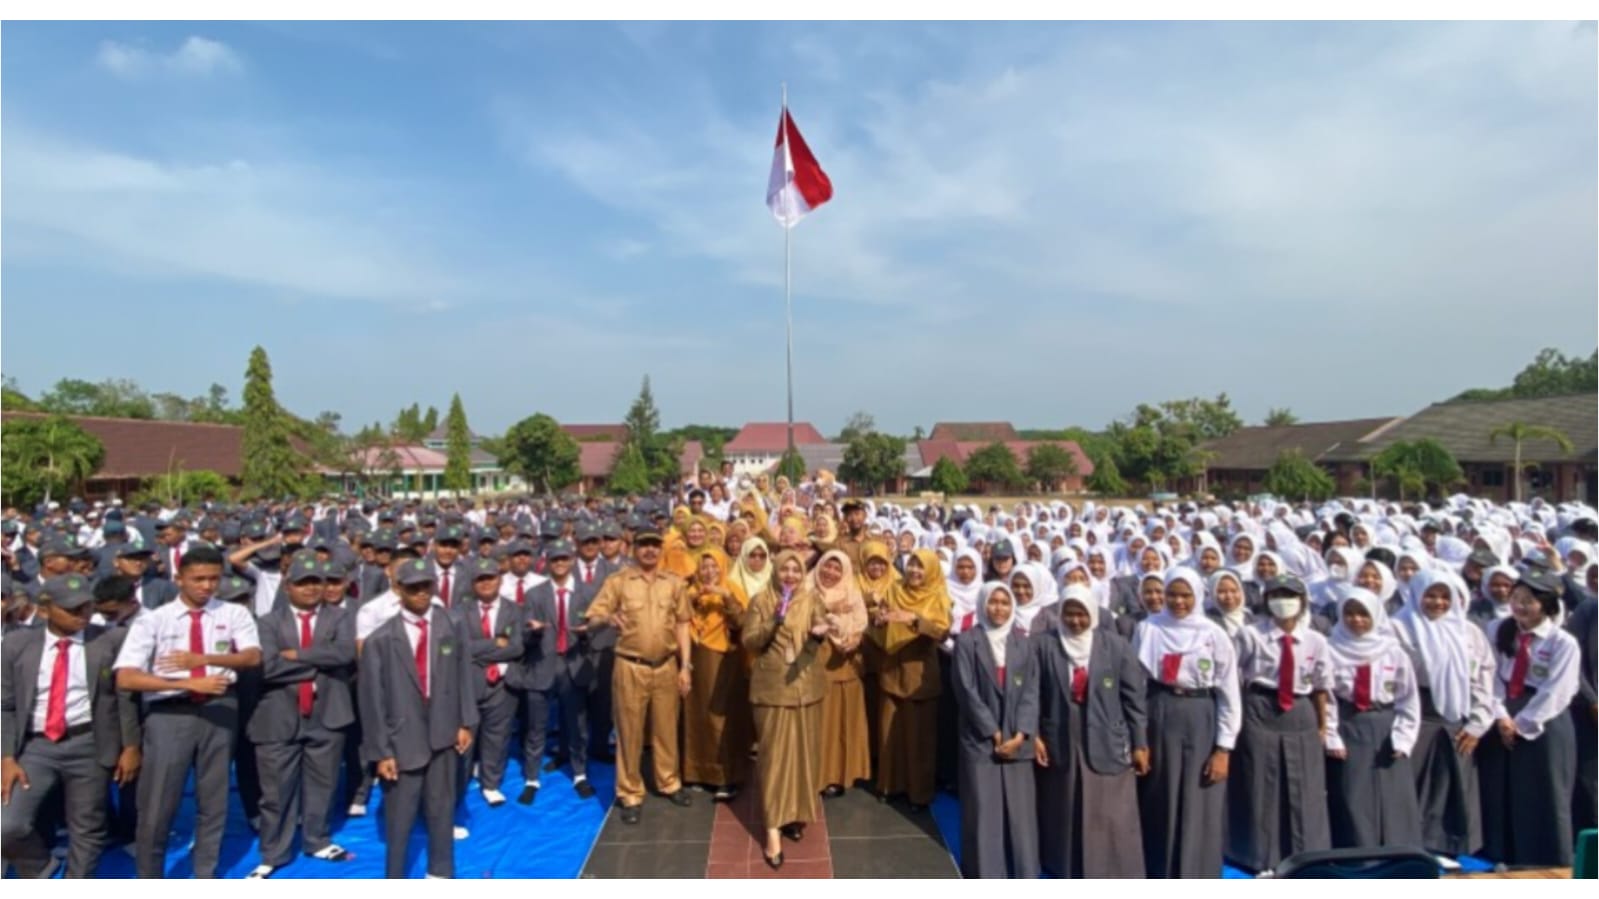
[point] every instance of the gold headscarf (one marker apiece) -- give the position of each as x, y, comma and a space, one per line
846, 609
929, 602
752, 582
877, 549
829, 531
684, 560
709, 626
790, 638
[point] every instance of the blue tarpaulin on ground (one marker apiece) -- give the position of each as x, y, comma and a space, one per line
549, 839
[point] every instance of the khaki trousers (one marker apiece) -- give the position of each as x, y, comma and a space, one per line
642, 693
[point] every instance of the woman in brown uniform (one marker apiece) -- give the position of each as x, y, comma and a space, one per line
785, 628
846, 755
716, 714
909, 626
877, 577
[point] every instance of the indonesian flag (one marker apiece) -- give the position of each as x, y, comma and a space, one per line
798, 184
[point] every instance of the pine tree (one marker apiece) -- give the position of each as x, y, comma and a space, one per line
643, 422
630, 475
458, 462
271, 466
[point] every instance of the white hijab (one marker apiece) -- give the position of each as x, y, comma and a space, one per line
1044, 594
1232, 621
996, 633
1443, 644
1081, 647
1164, 633
1351, 651
965, 598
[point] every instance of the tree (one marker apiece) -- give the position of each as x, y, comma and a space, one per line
1292, 476
408, 425
711, 438
1551, 373
109, 398
1208, 419
660, 451
47, 456
947, 477
919, 434
544, 455
1048, 464
995, 466
1417, 466
630, 475
1277, 418
430, 421
873, 460
791, 466
1519, 432
859, 425
12, 399
458, 448
1106, 479
179, 488
271, 466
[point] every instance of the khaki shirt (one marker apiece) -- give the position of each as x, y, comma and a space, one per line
654, 606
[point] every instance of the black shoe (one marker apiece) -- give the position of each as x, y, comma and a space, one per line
630, 814
607, 757
917, 808
833, 791
772, 861
584, 789
528, 792
681, 799
553, 765
724, 794
792, 832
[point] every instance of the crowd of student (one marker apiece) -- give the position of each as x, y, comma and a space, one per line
1113, 691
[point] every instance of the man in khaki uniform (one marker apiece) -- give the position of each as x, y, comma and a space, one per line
852, 539
649, 608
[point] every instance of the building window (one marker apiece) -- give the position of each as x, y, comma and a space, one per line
1493, 477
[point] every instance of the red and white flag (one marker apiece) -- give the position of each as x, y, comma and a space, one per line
798, 184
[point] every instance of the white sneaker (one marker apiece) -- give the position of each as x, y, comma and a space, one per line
332, 852
357, 810
461, 833
434, 877
493, 797
261, 872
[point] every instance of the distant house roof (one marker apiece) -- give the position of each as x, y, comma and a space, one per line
1257, 448
1463, 429
580, 433
958, 451
770, 437
144, 448
406, 457
441, 435
974, 431
597, 459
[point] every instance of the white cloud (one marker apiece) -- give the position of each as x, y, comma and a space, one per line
196, 56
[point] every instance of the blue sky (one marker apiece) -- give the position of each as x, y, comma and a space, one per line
1040, 223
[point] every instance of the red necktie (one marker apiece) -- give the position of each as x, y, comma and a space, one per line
588, 574
999, 676
1080, 684
1518, 671
1363, 688
422, 654
1285, 675
968, 621
493, 671
177, 558
197, 647
307, 692
444, 586
55, 713
560, 621
519, 593
1170, 664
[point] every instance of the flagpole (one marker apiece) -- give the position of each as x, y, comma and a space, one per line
788, 291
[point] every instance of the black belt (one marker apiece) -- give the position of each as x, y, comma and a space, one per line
1374, 707
642, 661
1183, 691
1272, 692
76, 730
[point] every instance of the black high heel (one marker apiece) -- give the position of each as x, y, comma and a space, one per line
792, 832
773, 862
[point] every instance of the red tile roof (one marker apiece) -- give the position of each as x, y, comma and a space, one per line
597, 459
771, 437
960, 450
614, 433
143, 448
972, 431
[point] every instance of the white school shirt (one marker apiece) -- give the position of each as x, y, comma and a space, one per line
77, 681
266, 587
1552, 669
1260, 652
379, 609
226, 627
1213, 667
529, 581
493, 611
1481, 716
1393, 683
413, 634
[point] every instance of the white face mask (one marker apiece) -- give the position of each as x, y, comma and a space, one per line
1282, 608
1338, 572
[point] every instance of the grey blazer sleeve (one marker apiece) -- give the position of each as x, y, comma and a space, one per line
10, 736
1133, 690
130, 721
970, 696
378, 742
468, 673
336, 654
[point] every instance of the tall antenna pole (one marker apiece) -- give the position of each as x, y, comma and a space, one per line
788, 288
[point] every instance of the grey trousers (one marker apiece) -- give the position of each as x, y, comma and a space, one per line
491, 739
179, 735
297, 782
575, 705
72, 764
431, 790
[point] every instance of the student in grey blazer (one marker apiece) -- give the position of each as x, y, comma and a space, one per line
307, 653
589, 571
557, 666
996, 690
79, 731
493, 629
452, 576
417, 714
1092, 741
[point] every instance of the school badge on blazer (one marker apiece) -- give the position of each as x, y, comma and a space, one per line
1204, 664
446, 648
1107, 683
